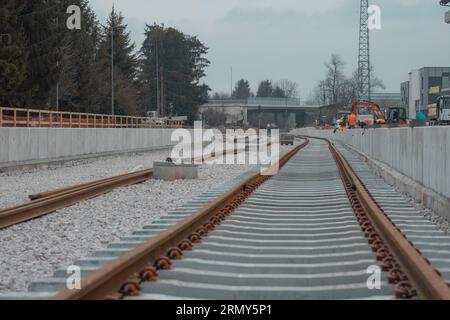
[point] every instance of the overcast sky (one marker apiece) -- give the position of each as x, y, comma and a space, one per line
276, 39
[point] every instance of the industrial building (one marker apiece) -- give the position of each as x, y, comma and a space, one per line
424, 86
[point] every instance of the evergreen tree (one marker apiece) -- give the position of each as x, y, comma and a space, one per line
125, 68
265, 89
42, 28
79, 71
12, 51
172, 65
278, 93
242, 90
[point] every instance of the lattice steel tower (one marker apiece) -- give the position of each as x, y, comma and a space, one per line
364, 53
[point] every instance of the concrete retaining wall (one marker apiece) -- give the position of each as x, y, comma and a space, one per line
421, 154
27, 146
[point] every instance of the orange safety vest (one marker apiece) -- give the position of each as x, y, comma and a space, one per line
352, 120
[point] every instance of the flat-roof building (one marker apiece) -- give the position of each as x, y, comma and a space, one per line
425, 85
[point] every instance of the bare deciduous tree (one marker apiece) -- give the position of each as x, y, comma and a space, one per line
335, 77
289, 87
337, 88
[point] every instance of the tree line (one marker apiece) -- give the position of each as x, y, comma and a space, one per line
266, 89
43, 64
336, 87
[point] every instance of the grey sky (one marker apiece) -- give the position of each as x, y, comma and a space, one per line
275, 39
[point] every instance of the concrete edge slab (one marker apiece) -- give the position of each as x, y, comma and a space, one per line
42, 164
429, 198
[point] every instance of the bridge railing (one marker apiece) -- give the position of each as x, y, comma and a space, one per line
274, 101
256, 102
16, 117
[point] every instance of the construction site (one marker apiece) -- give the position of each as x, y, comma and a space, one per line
286, 199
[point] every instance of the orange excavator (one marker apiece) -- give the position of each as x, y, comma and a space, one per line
367, 113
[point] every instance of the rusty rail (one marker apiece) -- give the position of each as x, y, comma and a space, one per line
420, 275
81, 186
123, 275
47, 202
67, 197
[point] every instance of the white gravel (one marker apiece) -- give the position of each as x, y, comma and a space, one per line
15, 186
35, 249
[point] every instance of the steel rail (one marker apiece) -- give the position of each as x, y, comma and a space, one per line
421, 274
80, 186
47, 202
43, 206
111, 280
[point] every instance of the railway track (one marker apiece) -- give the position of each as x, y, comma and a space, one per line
47, 202
291, 236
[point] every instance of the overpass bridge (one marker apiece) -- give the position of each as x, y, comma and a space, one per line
285, 112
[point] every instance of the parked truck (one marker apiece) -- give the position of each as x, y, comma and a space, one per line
439, 112
287, 139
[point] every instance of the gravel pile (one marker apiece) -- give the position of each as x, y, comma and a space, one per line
35, 249
17, 185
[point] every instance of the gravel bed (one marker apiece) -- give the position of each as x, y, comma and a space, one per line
17, 185
35, 249
440, 222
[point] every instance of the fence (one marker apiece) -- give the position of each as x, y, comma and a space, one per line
15, 117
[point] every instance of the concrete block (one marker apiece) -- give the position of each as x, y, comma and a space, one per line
4, 144
102, 136
51, 143
63, 142
42, 134
170, 171
77, 142
33, 145
89, 140
19, 144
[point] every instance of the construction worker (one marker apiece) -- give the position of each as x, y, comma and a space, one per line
352, 121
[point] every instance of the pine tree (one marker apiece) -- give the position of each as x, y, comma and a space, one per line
78, 78
42, 27
172, 65
265, 89
13, 55
125, 68
278, 93
242, 90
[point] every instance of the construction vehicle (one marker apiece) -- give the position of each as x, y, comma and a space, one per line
396, 115
342, 114
367, 113
439, 112
287, 139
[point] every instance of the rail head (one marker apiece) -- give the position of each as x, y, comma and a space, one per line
428, 282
